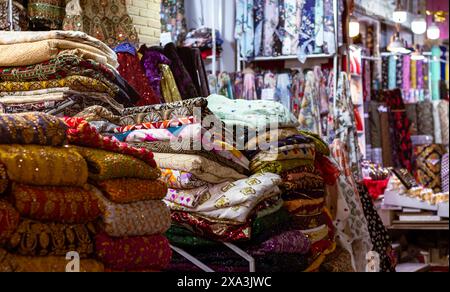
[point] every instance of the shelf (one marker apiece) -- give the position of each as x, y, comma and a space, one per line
285, 58
397, 225
412, 268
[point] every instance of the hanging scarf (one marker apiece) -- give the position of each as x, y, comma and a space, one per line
244, 28
406, 74
392, 73
309, 116
319, 27
290, 41
329, 46
413, 74
399, 72
307, 30
283, 90
271, 21
443, 116
259, 24
249, 92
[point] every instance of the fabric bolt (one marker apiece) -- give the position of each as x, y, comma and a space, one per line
411, 113
290, 242
105, 165
287, 153
82, 134
238, 84
259, 26
32, 128
107, 21
130, 69
392, 73
375, 125
46, 14
249, 89
44, 165
124, 191
428, 166
67, 205
385, 73
321, 90
319, 27
399, 72
290, 39
244, 27
134, 219
445, 173
307, 30
271, 19
180, 180
437, 122
443, 117
338, 262
386, 143
319, 143
287, 139
33, 238
420, 74
169, 89
413, 74
309, 117
406, 69
185, 132
232, 201
279, 33
190, 198
380, 237
133, 253
425, 118
9, 221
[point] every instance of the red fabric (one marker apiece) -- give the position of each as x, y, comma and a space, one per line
131, 70
376, 188
133, 253
9, 221
82, 134
327, 169
358, 120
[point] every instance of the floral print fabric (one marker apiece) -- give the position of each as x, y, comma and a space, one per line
244, 29
180, 180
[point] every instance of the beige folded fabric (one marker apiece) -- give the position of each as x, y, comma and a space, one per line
30, 53
199, 166
17, 37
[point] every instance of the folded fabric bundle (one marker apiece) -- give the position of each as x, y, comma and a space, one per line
81, 133
96, 114
229, 201
223, 232
45, 264
289, 242
33, 238
44, 165
134, 219
15, 37
256, 114
180, 180
190, 198
340, 261
133, 253
68, 205
308, 176
130, 190
75, 82
199, 166
306, 222
275, 141
3, 179
305, 206
30, 53
32, 128
105, 165
175, 122
9, 221
185, 132
303, 151
279, 167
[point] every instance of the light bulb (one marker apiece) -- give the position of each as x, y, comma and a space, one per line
419, 25
354, 27
433, 32
400, 16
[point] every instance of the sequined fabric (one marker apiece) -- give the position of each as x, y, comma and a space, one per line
133, 253
46, 14
128, 190
32, 128
33, 238
67, 205
3, 179
105, 165
9, 220
44, 166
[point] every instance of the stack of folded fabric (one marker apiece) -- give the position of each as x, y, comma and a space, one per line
59, 72
48, 209
202, 39
134, 217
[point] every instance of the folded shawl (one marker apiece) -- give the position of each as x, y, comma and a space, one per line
129, 190
44, 166
9, 220
180, 180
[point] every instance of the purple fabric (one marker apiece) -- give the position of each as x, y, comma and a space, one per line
420, 76
288, 242
406, 74
150, 61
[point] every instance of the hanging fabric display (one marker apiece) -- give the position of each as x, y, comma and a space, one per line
307, 30
173, 19
20, 21
271, 20
244, 29
46, 14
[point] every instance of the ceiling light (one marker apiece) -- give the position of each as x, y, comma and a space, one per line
433, 32
354, 27
400, 15
419, 24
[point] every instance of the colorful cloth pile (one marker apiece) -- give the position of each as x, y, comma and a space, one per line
68, 189
59, 72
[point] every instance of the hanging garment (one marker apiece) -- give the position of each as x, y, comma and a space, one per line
386, 143
249, 90
271, 20
321, 90
392, 73
319, 27
238, 84
20, 21
297, 88
290, 40
179, 71
280, 30
150, 61
283, 90
131, 70
307, 30
411, 113
173, 19
193, 62
259, 82
107, 21
169, 89
258, 25
443, 117
270, 82
329, 44
309, 116
46, 14
244, 32
213, 83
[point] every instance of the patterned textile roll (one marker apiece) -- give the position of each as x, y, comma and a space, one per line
445, 173
375, 125
443, 116
44, 165
33, 238
9, 220
429, 167
133, 253
67, 205
411, 113
437, 122
386, 144
32, 128
128, 190
425, 123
